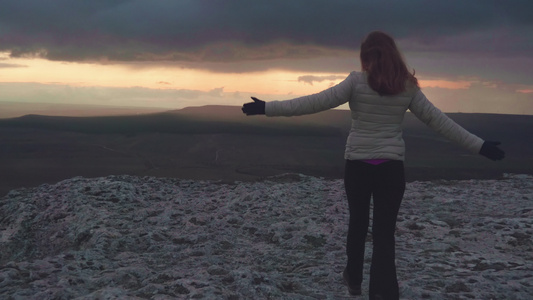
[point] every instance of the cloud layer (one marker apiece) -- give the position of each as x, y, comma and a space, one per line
231, 30
483, 48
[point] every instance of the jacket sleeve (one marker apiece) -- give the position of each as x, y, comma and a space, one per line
425, 111
327, 99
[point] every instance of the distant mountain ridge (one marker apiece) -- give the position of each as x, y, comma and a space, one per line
181, 120
17, 109
204, 119
219, 142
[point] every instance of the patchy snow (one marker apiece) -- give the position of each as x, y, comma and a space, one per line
125, 237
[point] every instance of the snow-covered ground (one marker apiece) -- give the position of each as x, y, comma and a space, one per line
125, 237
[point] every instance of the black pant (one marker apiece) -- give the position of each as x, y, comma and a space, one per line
385, 183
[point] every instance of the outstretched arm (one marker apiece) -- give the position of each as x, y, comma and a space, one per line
329, 98
424, 110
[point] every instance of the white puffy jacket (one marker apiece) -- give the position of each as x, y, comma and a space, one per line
376, 131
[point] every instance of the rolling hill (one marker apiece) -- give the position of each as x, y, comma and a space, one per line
220, 143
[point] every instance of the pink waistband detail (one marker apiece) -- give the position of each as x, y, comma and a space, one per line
375, 161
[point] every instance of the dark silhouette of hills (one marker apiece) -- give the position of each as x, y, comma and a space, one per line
194, 120
221, 143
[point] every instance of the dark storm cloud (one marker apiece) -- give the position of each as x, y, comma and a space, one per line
232, 30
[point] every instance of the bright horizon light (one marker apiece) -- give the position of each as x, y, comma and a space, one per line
174, 54
273, 84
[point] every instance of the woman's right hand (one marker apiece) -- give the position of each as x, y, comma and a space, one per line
254, 108
490, 150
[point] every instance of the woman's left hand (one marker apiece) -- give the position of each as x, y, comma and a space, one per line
254, 108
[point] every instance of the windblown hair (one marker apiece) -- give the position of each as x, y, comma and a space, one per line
384, 64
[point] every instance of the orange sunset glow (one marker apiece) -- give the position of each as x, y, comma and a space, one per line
276, 82
190, 59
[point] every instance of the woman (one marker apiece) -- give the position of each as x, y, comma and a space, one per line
378, 98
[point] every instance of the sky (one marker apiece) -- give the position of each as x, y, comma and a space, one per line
469, 56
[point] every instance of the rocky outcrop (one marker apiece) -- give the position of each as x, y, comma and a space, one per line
280, 238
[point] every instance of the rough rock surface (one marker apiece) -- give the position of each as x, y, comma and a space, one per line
124, 237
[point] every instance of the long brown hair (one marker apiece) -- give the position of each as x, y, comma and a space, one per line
384, 64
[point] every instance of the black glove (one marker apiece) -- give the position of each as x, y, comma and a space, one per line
254, 108
490, 150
